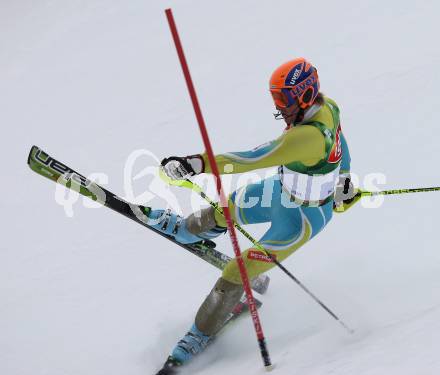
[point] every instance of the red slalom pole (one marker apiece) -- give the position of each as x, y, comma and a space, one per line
243, 273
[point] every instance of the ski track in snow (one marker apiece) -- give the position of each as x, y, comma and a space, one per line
92, 81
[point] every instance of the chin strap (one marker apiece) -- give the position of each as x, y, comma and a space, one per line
299, 117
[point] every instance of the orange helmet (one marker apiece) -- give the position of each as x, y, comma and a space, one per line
295, 80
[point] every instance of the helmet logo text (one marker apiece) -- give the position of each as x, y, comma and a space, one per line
299, 89
295, 76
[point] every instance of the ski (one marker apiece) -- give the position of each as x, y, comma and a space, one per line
47, 166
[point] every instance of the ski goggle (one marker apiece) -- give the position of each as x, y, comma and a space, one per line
280, 99
284, 98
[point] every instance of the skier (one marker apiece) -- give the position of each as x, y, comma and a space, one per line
313, 176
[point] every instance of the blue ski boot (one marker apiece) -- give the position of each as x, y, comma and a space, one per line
221, 306
195, 228
191, 344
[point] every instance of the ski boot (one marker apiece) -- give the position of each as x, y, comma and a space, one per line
195, 228
191, 344
220, 307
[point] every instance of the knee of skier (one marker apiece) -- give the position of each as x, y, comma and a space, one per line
256, 262
231, 272
201, 221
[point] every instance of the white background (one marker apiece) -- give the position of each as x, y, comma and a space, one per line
91, 81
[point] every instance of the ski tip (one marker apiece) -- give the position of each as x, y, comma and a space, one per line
30, 154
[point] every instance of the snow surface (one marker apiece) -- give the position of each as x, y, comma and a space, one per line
91, 81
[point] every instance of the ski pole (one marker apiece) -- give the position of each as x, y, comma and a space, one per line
363, 193
243, 272
196, 188
399, 191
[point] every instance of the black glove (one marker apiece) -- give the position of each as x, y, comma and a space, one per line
345, 191
180, 168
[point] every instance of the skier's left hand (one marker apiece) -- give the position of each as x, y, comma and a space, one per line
180, 168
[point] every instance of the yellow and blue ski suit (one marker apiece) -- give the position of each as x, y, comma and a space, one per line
311, 149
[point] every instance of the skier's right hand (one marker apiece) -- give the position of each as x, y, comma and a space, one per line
180, 168
345, 191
